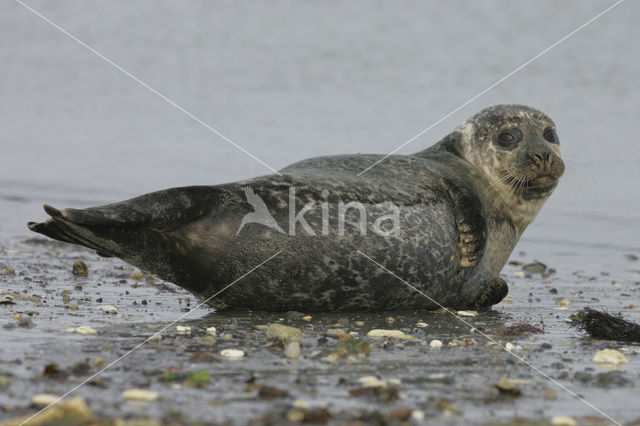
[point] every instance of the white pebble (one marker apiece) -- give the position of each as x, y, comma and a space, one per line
417, 415
212, 331
610, 356
467, 313
422, 325
183, 330
389, 333
232, 353
436, 344
109, 309
563, 421
44, 399
293, 350
83, 329
140, 395
509, 346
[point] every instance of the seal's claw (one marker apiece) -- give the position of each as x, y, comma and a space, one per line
469, 250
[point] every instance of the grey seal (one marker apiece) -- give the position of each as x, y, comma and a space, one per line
445, 219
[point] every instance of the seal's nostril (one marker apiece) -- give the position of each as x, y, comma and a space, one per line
540, 157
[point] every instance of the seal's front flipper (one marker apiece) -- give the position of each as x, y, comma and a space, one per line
471, 226
495, 291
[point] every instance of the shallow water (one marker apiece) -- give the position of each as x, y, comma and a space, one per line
288, 81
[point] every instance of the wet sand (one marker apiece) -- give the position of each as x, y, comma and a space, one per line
453, 384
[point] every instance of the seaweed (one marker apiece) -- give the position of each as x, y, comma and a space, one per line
602, 325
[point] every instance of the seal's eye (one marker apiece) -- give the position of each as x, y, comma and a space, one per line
509, 138
550, 135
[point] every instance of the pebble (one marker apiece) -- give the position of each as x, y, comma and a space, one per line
140, 395
83, 329
389, 333
372, 382
509, 346
109, 309
183, 330
422, 324
293, 350
306, 318
80, 269
283, 333
610, 356
43, 399
417, 415
435, 343
212, 331
358, 323
7, 299
467, 313
563, 421
232, 353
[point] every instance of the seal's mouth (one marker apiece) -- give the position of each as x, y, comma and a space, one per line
534, 187
540, 185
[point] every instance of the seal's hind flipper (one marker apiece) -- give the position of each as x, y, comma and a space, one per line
60, 229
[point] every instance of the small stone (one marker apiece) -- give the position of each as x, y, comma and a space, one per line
510, 386
417, 415
435, 343
43, 399
397, 334
232, 353
99, 362
183, 330
212, 331
337, 332
390, 320
292, 350
140, 395
83, 329
519, 274
549, 394
109, 309
400, 414
80, 269
358, 323
283, 333
422, 324
563, 421
7, 299
306, 318
535, 268
9, 271
467, 313
610, 356
509, 346
372, 381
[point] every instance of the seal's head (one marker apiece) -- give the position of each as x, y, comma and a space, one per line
516, 147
